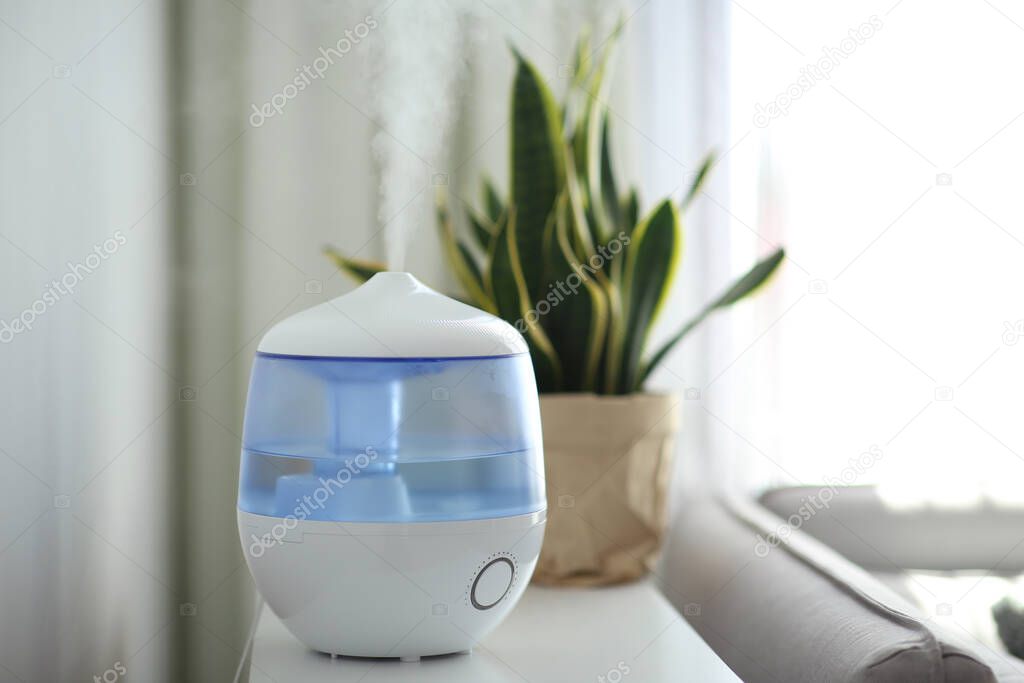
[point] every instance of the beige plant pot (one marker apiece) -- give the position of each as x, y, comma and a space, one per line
607, 461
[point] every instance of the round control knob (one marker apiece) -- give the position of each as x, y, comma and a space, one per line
492, 583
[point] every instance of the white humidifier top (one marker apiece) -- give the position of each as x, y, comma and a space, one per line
433, 400
393, 315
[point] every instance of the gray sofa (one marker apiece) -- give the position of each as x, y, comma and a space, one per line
804, 599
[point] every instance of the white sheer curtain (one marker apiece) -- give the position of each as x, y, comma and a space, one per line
118, 455
86, 185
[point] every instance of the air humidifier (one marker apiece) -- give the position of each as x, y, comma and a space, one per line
391, 498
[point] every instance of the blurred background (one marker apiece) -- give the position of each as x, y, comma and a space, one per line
154, 223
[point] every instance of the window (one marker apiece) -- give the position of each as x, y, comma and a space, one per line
881, 144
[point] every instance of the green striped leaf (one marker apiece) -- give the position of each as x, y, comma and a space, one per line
498, 277
482, 230
537, 171
753, 280
591, 171
630, 212
462, 261
493, 204
651, 260
698, 181
576, 316
609, 193
582, 62
546, 365
358, 269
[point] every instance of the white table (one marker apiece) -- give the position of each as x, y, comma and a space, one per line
555, 635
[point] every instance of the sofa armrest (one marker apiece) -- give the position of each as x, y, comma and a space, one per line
796, 611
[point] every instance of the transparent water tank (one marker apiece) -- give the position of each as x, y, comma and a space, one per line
392, 403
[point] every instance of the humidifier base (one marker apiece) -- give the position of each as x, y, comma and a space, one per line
404, 590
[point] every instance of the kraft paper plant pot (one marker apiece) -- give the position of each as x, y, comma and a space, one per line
608, 463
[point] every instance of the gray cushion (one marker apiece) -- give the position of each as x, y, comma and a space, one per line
798, 612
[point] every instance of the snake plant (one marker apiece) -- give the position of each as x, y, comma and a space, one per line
564, 255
